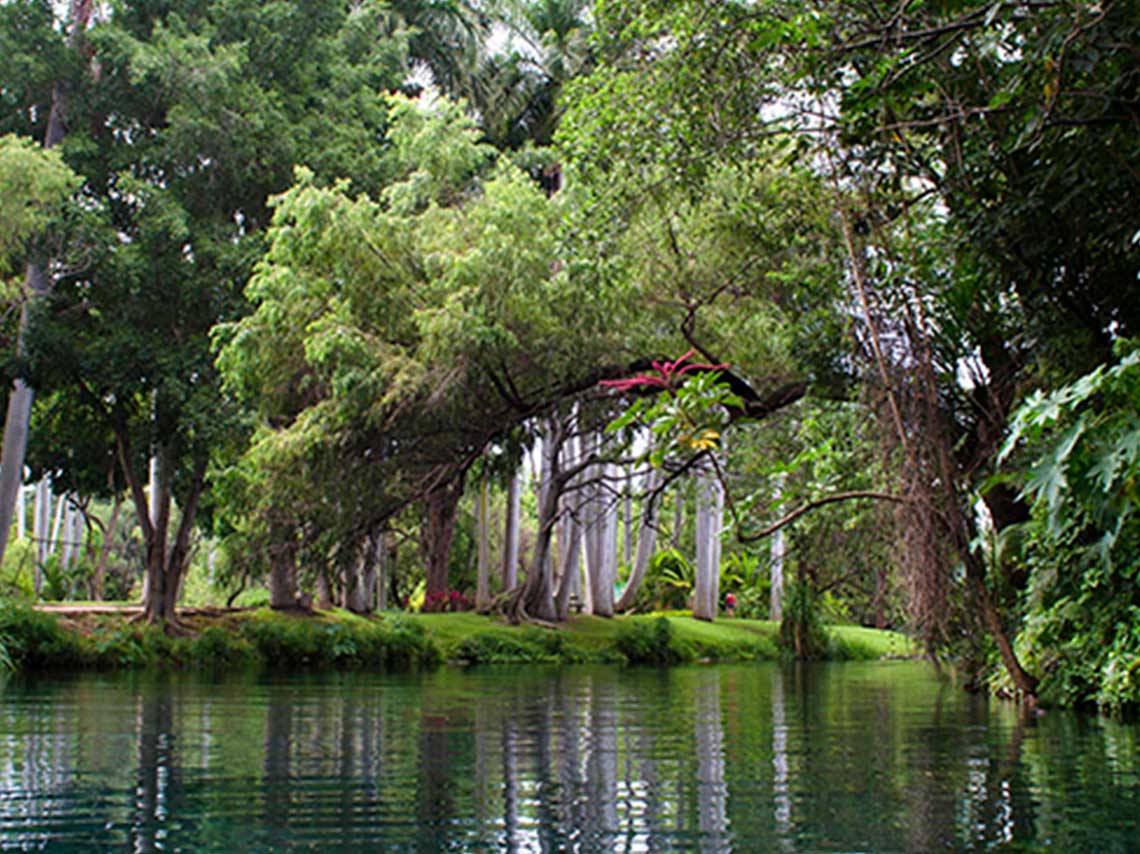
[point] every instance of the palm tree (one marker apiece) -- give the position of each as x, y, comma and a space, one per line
516, 91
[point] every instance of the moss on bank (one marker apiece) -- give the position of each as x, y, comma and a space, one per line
35, 640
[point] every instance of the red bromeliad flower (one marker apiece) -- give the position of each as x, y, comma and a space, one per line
669, 378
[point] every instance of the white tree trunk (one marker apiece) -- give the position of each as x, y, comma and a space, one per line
41, 528
604, 568
57, 525
511, 532
483, 572
706, 588
21, 512
678, 518
646, 542
776, 561
627, 518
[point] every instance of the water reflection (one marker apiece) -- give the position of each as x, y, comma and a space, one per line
747, 758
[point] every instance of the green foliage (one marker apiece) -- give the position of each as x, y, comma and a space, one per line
532, 646
754, 603
16, 573
668, 583
34, 640
34, 185
219, 647
1080, 451
651, 642
296, 642
802, 633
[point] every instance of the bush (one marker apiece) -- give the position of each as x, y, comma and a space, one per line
17, 569
801, 630
528, 647
668, 583
446, 601
495, 648
5, 659
651, 642
35, 640
299, 642
753, 603
219, 647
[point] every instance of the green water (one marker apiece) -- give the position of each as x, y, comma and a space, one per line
840, 757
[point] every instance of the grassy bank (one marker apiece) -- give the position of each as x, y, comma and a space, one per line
34, 640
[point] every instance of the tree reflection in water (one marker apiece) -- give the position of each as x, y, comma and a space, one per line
711, 758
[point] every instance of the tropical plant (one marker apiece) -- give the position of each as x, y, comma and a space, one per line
1079, 451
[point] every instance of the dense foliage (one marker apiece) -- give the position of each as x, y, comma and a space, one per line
300, 273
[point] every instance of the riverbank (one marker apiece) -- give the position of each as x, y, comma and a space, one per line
109, 637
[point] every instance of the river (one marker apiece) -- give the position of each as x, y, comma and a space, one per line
755, 757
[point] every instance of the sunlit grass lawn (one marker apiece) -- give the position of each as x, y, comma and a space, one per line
724, 639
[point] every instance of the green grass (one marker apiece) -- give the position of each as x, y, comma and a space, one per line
595, 638
338, 639
864, 644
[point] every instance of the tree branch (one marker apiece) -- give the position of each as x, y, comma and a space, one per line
812, 505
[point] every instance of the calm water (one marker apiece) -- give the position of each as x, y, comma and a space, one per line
853, 757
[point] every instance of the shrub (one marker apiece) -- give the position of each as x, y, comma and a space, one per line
291, 642
36, 640
219, 647
801, 630
753, 603
16, 571
5, 659
446, 600
495, 648
651, 642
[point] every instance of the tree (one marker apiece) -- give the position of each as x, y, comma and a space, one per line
399, 336
222, 116
37, 282
1001, 114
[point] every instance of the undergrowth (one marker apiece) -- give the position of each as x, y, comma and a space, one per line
32, 640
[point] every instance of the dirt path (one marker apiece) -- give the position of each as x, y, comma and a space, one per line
69, 609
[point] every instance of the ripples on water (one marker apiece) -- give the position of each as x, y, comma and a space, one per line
854, 757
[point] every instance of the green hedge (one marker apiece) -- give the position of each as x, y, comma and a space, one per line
32, 640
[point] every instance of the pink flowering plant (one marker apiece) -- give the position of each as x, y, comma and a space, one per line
683, 403
446, 600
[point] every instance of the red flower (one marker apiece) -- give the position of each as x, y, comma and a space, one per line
670, 374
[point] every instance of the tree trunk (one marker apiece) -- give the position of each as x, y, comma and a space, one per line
627, 520
21, 512
1025, 682
483, 572
646, 543
283, 574
569, 532
98, 583
706, 587
776, 561
42, 531
571, 572
601, 540
324, 591
15, 445
511, 533
355, 586
370, 571
539, 589
678, 519
165, 562
442, 505
386, 562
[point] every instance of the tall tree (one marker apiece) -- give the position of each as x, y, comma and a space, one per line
37, 280
223, 99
